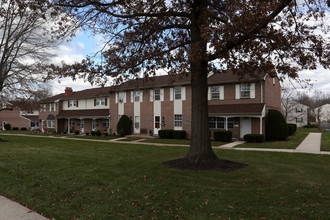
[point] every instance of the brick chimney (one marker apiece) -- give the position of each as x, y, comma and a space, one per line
68, 91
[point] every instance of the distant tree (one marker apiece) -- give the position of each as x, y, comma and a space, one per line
29, 31
198, 37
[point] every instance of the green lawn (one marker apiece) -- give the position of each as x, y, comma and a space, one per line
325, 145
291, 143
177, 141
71, 179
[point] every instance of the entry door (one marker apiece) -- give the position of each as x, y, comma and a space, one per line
137, 124
157, 124
245, 126
82, 129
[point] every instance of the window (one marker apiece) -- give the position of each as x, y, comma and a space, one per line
137, 122
216, 122
52, 107
50, 124
230, 123
299, 110
73, 103
137, 96
177, 93
157, 94
4, 105
72, 123
121, 97
105, 123
245, 91
157, 121
299, 120
215, 92
43, 107
100, 102
177, 120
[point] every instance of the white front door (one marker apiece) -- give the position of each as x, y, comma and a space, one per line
245, 126
137, 124
82, 130
157, 126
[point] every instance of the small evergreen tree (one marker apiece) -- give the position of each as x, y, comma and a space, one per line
276, 127
124, 126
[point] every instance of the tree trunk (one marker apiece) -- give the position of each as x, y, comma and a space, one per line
200, 151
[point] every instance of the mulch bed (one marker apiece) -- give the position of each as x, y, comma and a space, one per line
216, 165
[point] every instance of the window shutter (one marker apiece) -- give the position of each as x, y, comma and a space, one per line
132, 94
151, 95
222, 93
116, 97
209, 93
162, 95
106, 101
141, 96
77, 103
238, 91
183, 93
171, 94
94, 102
252, 90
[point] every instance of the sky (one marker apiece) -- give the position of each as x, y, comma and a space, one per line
85, 44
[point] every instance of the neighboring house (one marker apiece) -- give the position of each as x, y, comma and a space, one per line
18, 117
164, 102
322, 113
295, 112
85, 111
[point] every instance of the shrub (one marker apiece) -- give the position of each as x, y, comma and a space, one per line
15, 128
87, 133
76, 132
7, 127
124, 126
105, 133
93, 133
292, 128
276, 127
98, 133
23, 129
258, 138
165, 133
179, 134
311, 125
225, 136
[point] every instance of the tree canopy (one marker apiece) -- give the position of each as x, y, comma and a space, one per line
198, 37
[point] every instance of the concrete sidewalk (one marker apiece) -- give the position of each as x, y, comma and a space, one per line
10, 210
311, 144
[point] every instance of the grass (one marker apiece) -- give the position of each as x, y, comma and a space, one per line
72, 179
291, 143
325, 143
178, 141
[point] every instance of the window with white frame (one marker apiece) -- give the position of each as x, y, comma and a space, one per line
215, 92
245, 90
137, 96
73, 103
178, 121
121, 97
50, 123
105, 123
177, 93
157, 94
299, 110
4, 105
100, 101
216, 122
43, 107
52, 107
72, 123
299, 120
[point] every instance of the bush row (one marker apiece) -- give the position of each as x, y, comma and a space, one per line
256, 138
172, 134
225, 136
292, 128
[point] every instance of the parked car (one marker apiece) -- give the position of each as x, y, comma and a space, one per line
327, 130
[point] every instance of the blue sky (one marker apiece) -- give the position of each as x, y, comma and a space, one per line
85, 44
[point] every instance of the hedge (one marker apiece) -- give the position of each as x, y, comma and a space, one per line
124, 126
225, 136
179, 134
165, 133
15, 128
23, 129
276, 127
257, 138
292, 128
7, 127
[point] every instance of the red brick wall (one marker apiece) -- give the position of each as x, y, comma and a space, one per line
146, 112
272, 93
113, 113
14, 119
